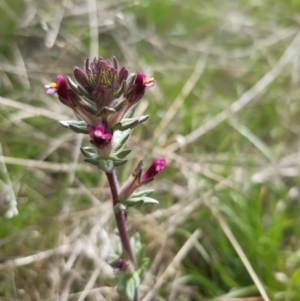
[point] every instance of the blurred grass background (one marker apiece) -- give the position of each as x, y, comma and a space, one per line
224, 112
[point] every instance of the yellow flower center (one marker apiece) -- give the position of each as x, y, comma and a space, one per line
147, 80
53, 85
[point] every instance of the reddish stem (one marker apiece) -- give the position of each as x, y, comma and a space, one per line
120, 216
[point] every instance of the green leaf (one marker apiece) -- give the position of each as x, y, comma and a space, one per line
136, 244
120, 105
142, 193
83, 91
77, 126
131, 111
93, 160
130, 123
89, 149
106, 165
130, 288
73, 85
91, 102
136, 278
148, 201
133, 203
120, 206
76, 99
118, 158
123, 154
140, 201
131, 79
122, 281
121, 91
87, 105
119, 139
105, 111
89, 152
118, 162
144, 263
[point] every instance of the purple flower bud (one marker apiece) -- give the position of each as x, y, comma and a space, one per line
61, 88
138, 178
99, 136
120, 263
82, 79
123, 75
156, 167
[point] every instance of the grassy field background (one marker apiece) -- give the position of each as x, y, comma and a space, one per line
225, 112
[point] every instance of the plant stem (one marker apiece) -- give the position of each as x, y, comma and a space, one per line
120, 216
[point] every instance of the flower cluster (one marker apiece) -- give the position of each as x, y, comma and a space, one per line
104, 96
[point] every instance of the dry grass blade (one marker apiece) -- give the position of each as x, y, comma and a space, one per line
34, 110
63, 249
241, 299
89, 285
173, 265
287, 167
75, 157
23, 76
57, 167
104, 290
93, 23
186, 90
10, 208
240, 103
55, 26
258, 143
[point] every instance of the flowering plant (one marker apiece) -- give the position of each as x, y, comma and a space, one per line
104, 97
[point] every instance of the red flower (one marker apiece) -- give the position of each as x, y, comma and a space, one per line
61, 88
99, 135
138, 178
142, 81
139, 87
156, 167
